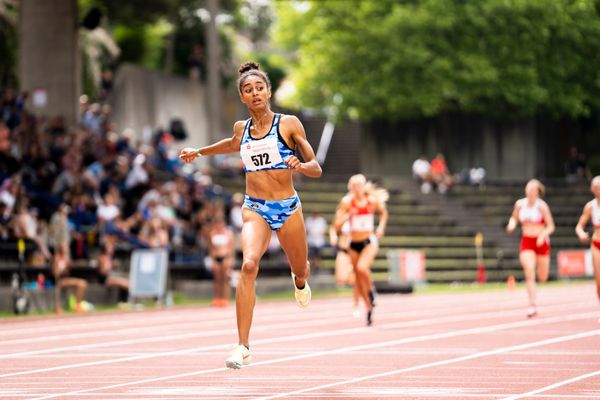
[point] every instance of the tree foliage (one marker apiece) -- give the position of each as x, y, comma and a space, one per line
402, 59
141, 28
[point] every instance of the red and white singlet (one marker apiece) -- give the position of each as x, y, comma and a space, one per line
530, 214
362, 218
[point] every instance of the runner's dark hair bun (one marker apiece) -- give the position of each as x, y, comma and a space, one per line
248, 66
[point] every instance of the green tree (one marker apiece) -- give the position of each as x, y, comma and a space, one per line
402, 59
142, 28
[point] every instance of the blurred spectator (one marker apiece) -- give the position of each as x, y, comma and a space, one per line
154, 233
62, 280
60, 237
4, 223
8, 164
421, 170
106, 84
440, 174
9, 111
576, 167
221, 253
60, 233
477, 177
138, 177
108, 277
84, 106
21, 101
68, 179
8, 195
177, 129
108, 215
25, 225
92, 118
196, 63
316, 229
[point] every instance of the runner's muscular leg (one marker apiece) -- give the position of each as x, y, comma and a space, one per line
542, 266
256, 234
292, 237
528, 259
363, 267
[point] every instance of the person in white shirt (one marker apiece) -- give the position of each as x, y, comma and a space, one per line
421, 170
108, 214
316, 229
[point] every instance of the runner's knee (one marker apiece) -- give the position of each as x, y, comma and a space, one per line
250, 267
362, 270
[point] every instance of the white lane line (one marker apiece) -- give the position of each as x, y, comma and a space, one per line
422, 338
188, 351
58, 324
508, 349
328, 313
406, 324
143, 321
181, 321
553, 386
154, 327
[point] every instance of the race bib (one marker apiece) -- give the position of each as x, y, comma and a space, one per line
362, 223
260, 154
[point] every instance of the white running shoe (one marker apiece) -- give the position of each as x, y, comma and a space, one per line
239, 356
531, 312
303, 295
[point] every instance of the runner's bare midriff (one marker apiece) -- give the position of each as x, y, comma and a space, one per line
532, 229
596, 235
360, 236
273, 184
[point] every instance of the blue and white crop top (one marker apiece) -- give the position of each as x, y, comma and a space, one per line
268, 152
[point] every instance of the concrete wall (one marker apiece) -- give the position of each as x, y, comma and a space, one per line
144, 99
507, 150
49, 55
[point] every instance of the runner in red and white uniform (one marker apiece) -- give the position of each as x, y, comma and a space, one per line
359, 207
344, 271
592, 211
537, 225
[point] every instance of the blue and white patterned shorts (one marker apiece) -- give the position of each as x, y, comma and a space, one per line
274, 212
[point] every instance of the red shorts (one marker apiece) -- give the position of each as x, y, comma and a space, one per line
596, 244
530, 243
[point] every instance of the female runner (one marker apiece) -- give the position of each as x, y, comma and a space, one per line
537, 225
267, 143
358, 207
592, 211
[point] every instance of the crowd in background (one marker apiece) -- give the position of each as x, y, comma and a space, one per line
91, 189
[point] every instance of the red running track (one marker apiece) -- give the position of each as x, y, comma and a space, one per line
474, 345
